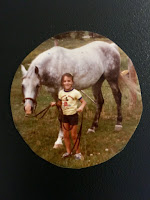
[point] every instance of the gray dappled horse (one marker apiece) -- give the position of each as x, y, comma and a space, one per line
90, 65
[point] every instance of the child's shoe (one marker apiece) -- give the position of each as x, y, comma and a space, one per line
66, 155
79, 156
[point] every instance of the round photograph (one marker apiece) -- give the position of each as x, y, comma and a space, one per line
76, 99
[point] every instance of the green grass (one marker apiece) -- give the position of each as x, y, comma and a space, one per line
96, 147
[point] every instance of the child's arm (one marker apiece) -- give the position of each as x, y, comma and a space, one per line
58, 103
53, 104
83, 103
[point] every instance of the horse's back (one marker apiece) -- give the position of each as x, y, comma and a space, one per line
92, 51
87, 63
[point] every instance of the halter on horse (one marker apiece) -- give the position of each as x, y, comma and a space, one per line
29, 99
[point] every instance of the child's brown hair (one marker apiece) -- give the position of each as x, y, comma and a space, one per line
68, 75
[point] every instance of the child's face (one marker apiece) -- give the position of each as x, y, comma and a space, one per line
67, 83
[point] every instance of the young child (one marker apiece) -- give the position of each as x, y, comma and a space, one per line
68, 99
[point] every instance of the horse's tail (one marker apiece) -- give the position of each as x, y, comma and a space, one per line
125, 81
55, 42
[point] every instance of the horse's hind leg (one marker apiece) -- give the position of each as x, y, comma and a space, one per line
99, 101
117, 95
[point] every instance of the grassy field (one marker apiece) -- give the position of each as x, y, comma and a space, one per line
96, 147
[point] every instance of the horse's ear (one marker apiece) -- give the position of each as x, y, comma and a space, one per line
24, 71
36, 70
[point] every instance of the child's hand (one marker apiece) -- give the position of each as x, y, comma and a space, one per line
80, 109
53, 104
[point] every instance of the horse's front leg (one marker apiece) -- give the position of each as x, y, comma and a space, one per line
58, 143
99, 101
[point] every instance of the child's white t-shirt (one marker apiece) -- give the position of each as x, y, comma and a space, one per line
69, 101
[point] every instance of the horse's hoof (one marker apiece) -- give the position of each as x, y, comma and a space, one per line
118, 127
90, 130
57, 146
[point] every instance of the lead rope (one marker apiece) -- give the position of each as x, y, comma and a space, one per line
79, 132
78, 135
44, 110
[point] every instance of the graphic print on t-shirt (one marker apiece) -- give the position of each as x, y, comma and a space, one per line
69, 101
65, 100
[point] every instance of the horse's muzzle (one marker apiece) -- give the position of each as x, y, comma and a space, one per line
28, 109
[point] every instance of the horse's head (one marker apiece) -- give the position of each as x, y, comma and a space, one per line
30, 87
